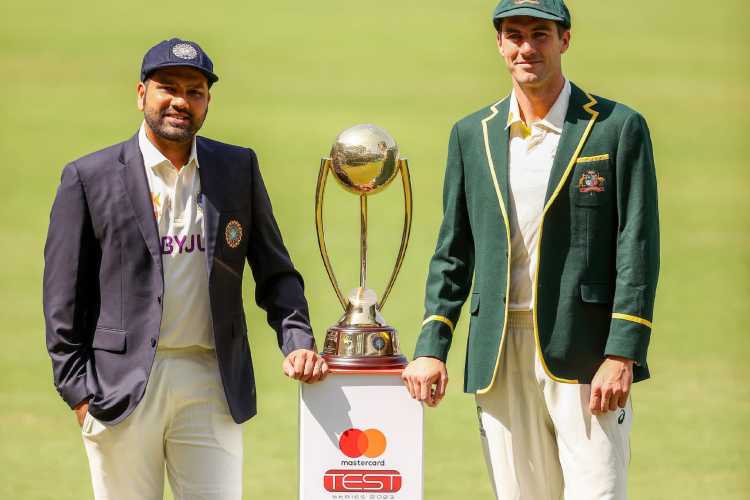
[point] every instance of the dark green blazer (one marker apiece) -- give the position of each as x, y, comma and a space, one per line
599, 245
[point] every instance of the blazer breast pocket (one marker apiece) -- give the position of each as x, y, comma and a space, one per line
592, 181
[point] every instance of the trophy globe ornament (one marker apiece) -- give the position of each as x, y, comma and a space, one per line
364, 159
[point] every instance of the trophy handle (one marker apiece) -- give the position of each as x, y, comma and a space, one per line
325, 166
403, 166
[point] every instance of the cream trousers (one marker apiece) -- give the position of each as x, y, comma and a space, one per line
183, 423
540, 440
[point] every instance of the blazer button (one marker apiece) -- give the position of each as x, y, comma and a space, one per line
158, 299
153, 342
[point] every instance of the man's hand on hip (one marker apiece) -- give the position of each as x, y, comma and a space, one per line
305, 365
81, 409
610, 387
421, 375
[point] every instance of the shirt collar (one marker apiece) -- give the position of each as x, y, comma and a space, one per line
152, 157
555, 118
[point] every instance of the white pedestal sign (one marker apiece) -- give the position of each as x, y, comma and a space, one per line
360, 438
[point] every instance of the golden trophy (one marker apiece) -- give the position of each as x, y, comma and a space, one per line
364, 160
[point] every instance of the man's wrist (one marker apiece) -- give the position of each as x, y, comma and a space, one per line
81, 403
621, 359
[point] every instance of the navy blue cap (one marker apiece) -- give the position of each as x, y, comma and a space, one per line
177, 52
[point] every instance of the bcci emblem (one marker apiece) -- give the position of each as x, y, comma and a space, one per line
590, 182
184, 51
233, 234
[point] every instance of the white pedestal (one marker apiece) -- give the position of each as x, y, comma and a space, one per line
380, 455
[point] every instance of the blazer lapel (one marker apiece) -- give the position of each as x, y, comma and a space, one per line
210, 192
578, 122
496, 150
133, 174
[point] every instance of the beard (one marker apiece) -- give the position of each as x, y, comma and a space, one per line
157, 121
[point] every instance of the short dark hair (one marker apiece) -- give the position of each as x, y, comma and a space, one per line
560, 27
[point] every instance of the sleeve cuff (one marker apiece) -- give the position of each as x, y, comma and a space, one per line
298, 339
435, 339
75, 391
629, 337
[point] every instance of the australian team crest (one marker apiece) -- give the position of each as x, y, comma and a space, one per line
233, 233
591, 182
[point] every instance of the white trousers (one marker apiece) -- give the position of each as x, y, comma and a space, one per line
182, 422
540, 440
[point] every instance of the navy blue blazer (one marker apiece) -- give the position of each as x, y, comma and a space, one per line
103, 277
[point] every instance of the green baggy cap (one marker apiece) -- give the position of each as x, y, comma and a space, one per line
554, 10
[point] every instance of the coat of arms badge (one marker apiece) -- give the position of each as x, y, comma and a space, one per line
591, 181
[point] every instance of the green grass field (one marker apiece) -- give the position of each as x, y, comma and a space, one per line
293, 74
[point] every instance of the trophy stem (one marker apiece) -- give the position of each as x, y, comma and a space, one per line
363, 241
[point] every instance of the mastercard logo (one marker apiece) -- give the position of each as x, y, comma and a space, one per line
354, 443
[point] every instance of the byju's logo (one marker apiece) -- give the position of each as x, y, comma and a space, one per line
354, 443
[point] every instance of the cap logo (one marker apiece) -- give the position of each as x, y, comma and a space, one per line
523, 2
184, 51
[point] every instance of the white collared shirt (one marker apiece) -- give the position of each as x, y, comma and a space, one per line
186, 316
532, 150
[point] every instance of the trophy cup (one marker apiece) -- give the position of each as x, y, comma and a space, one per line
364, 160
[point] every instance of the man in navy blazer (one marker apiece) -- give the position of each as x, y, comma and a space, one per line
142, 293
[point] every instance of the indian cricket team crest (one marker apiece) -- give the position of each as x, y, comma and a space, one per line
233, 234
591, 182
184, 51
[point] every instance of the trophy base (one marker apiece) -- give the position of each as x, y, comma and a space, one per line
364, 347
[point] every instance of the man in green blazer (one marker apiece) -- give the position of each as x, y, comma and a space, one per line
550, 212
